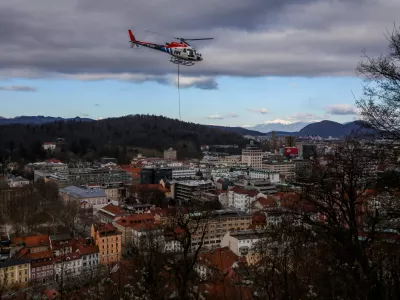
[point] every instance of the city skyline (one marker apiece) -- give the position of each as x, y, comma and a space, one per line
288, 61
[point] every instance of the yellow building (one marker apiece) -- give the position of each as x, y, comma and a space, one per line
15, 273
109, 240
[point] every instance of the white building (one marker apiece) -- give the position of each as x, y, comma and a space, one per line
242, 242
17, 181
90, 258
273, 177
183, 172
49, 146
252, 156
68, 266
286, 168
242, 199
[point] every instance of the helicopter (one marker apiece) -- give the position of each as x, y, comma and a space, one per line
181, 52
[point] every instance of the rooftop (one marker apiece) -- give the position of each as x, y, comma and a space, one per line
247, 234
194, 182
78, 192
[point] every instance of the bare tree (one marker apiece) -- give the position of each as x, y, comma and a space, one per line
380, 105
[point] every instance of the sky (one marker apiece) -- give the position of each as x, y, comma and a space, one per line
287, 61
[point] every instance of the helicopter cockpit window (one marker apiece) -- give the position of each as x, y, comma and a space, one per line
184, 50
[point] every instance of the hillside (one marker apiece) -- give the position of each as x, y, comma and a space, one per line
329, 128
238, 130
36, 120
112, 137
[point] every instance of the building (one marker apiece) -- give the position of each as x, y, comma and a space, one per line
110, 213
263, 186
302, 168
86, 198
67, 266
219, 223
126, 224
170, 154
252, 156
186, 190
273, 177
183, 172
98, 176
15, 272
290, 141
242, 199
36, 249
284, 168
308, 151
49, 146
52, 166
17, 182
243, 242
291, 152
153, 175
90, 258
108, 240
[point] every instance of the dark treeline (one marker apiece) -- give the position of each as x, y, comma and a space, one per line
110, 137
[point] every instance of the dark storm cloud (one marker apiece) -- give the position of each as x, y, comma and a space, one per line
88, 40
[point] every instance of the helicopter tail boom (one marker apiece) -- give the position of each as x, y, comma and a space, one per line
131, 36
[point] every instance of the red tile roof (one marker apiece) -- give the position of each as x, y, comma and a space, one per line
269, 202
51, 294
129, 221
221, 259
106, 229
145, 227
240, 190
32, 241
114, 210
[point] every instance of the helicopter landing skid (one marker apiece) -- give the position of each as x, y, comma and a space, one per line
182, 62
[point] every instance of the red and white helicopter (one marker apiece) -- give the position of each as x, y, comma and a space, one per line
181, 53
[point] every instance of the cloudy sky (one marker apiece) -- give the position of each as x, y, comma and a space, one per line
288, 60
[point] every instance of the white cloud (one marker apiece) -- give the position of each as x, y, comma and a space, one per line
304, 117
221, 117
341, 109
262, 111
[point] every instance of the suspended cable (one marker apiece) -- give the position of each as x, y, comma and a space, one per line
179, 97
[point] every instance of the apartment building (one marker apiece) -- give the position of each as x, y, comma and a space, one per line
219, 223
186, 190
252, 156
183, 172
273, 177
98, 176
108, 240
241, 198
242, 242
15, 272
284, 168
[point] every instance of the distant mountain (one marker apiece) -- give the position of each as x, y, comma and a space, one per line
329, 128
37, 120
278, 126
238, 130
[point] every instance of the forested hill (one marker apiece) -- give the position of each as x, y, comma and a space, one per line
101, 137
